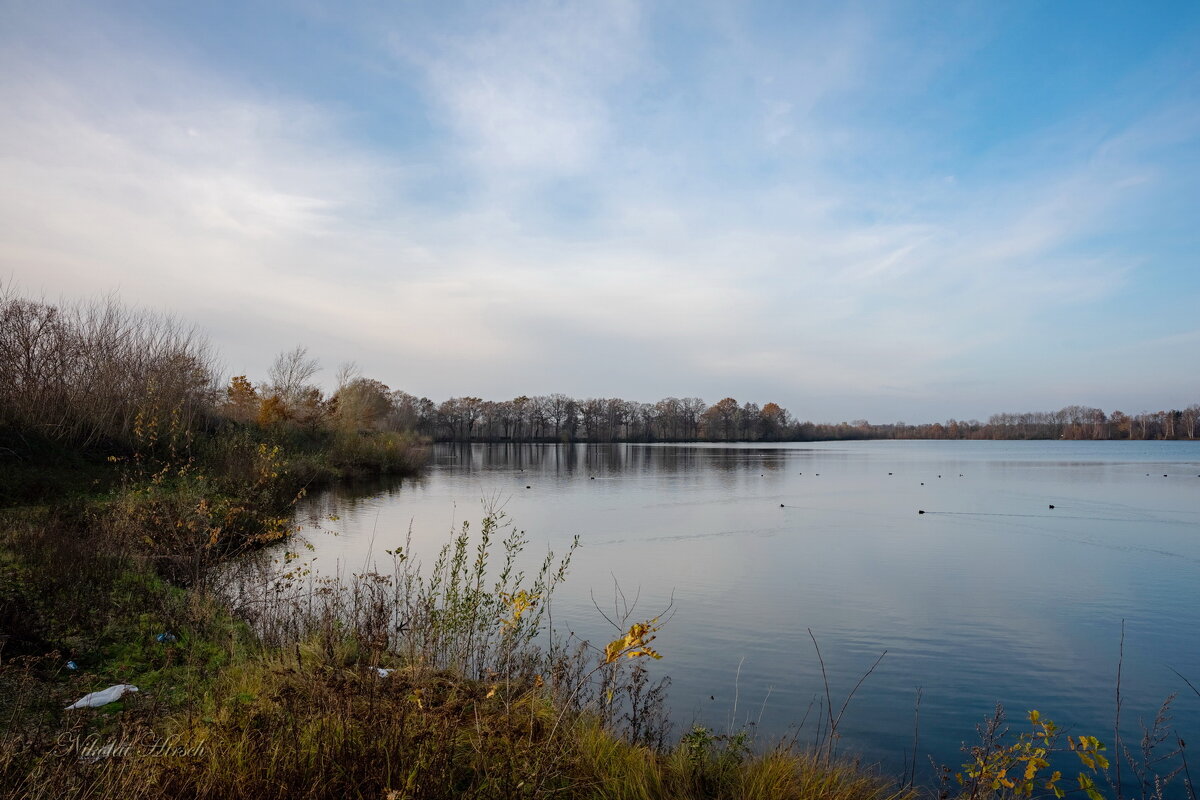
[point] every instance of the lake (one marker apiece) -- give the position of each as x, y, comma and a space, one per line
1011, 588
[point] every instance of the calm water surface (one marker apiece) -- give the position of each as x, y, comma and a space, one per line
990, 596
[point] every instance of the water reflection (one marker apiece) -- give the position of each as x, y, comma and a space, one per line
608, 459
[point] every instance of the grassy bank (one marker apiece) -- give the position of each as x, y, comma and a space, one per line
287, 699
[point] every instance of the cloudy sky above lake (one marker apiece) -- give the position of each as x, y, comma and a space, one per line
893, 210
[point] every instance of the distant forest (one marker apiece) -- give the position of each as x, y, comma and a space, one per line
89, 372
558, 418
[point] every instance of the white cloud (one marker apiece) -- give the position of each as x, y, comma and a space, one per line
525, 88
195, 194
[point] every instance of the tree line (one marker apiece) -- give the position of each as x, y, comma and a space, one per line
98, 372
368, 404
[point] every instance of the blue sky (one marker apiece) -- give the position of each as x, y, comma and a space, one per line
888, 210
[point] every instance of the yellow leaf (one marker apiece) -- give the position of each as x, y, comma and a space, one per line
635, 642
518, 603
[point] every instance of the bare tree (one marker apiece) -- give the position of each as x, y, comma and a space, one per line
558, 407
290, 374
347, 373
1188, 420
92, 371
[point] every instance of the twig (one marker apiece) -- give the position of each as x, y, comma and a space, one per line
1187, 774
599, 610
763, 707
1117, 720
834, 721
800, 726
850, 696
736, 679
828, 698
916, 737
1185, 680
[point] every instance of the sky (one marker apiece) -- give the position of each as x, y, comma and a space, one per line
893, 211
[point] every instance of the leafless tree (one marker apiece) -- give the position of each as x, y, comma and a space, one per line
290, 374
87, 372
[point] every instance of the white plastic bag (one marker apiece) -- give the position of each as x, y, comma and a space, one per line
103, 697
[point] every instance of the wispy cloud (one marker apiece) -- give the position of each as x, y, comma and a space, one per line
524, 88
643, 211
